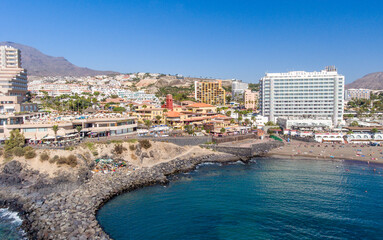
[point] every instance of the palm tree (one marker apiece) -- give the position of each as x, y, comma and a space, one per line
55, 129
78, 128
148, 123
158, 117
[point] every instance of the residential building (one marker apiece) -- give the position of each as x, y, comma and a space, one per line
14, 104
251, 99
303, 95
13, 78
90, 127
357, 94
238, 89
210, 92
201, 108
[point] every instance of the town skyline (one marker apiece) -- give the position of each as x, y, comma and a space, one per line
244, 40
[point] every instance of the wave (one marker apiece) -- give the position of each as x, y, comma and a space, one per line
10, 224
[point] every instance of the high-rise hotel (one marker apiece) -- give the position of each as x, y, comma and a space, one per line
303, 95
210, 92
13, 78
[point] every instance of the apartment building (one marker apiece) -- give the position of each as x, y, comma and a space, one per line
357, 94
13, 78
210, 92
251, 99
303, 95
238, 89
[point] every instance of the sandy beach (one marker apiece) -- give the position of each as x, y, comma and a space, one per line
356, 152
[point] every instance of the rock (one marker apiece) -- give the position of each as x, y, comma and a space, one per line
13, 167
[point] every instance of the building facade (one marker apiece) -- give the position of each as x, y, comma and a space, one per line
251, 99
13, 78
357, 94
303, 95
238, 88
210, 92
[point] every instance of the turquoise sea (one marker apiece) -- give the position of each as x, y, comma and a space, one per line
265, 199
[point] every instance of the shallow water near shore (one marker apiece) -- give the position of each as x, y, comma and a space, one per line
265, 199
10, 224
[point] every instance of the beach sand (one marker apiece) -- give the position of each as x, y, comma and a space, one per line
356, 152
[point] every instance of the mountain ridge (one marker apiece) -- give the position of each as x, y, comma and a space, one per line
40, 64
373, 81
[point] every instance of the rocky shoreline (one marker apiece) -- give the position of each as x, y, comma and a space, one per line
58, 210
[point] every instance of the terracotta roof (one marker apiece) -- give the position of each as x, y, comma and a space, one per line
199, 105
194, 119
173, 114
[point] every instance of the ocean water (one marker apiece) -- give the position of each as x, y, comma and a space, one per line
266, 199
10, 224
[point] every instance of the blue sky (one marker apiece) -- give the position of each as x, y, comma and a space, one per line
223, 39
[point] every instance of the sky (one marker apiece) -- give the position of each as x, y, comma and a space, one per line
203, 38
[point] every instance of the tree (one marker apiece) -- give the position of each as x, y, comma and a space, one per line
119, 109
55, 129
374, 130
148, 123
354, 124
158, 117
166, 110
350, 132
16, 139
228, 113
144, 106
189, 129
223, 130
78, 128
269, 123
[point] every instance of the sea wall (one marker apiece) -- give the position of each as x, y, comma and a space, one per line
184, 141
72, 214
238, 151
258, 149
234, 138
261, 149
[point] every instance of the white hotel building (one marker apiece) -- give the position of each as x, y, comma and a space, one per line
300, 95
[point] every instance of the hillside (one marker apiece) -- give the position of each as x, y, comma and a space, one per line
40, 64
370, 81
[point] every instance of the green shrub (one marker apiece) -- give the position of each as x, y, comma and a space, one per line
119, 149
28, 148
133, 140
90, 146
30, 154
132, 147
71, 160
61, 160
69, 148
8, 154
95, 153
16, 139
145, 143
54, 159
18, 151
44, 157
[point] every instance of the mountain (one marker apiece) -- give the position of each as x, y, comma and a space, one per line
40, 64
370, 81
